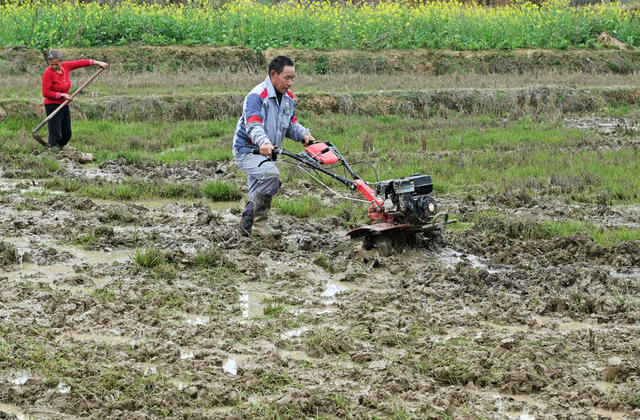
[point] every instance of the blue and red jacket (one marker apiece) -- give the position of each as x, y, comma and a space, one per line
264, 121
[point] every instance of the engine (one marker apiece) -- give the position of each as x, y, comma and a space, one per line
408, 198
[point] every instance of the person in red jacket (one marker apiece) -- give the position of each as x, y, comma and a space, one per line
55, 89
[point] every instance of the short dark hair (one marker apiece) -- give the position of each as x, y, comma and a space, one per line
279, 63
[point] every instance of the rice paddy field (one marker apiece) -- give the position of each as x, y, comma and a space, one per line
127, 293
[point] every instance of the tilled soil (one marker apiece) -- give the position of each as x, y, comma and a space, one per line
482, 323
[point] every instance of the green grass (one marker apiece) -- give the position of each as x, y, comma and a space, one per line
300, 207
159, 141
602, 236
132, 188
273, 309
104, 295
212, 258
148, 257
465, 155
528, 229
221, 191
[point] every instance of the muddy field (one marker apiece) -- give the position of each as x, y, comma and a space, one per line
134, 309
152, 309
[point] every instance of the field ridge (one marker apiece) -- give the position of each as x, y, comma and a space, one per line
20, 60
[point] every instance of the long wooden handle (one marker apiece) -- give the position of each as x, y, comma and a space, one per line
35, 130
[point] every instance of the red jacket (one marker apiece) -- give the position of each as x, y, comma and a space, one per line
55, 84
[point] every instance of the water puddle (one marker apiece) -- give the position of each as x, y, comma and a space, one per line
294, 355
522, 415
96, 283
576, 326
109, 339
252, 304
14, 411
186, 353
629, 272
510, 328
545, 323
19, 378
528, 413
535, 404
179, 384
330, 291
613, 415
160, 203
63, 388
244, 304
451, 258
604, 385
297, 332
604, 125
230, 366
9, 184
149, 368
192, 319
48, 273
529, 400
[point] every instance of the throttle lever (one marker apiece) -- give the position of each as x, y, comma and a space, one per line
273, 158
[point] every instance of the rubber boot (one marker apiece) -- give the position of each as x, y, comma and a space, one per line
261, 207
246, 220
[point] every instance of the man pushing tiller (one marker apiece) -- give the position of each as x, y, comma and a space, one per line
268, 115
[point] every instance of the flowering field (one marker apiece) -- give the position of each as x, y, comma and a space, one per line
462, 26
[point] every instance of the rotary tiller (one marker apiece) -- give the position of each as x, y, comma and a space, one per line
399, 209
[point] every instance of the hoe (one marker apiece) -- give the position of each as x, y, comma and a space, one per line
399, 209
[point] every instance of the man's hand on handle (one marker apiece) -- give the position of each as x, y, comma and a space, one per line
266, 150
308, 139
66, 96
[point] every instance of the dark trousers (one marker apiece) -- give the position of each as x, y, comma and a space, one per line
59, 125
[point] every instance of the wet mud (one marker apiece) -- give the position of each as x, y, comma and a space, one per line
131, 309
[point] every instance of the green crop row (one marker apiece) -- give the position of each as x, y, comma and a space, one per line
46, 24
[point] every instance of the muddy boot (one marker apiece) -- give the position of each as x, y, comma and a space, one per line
246, 220
262, 204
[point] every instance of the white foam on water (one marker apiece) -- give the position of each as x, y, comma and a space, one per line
20, 378
62, 388
197, 320
297, 332
244, 304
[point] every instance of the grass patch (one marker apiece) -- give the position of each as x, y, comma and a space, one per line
221, 191
529, 229
602, 236
273, 309
212, 258
321, 261
130, 189
465, 155
326, 341
168, 300
104, 295
299, 207
148, 257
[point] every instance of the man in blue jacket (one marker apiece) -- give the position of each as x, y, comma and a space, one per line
268, 115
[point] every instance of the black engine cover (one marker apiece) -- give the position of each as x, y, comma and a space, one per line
414, 184
409, 197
